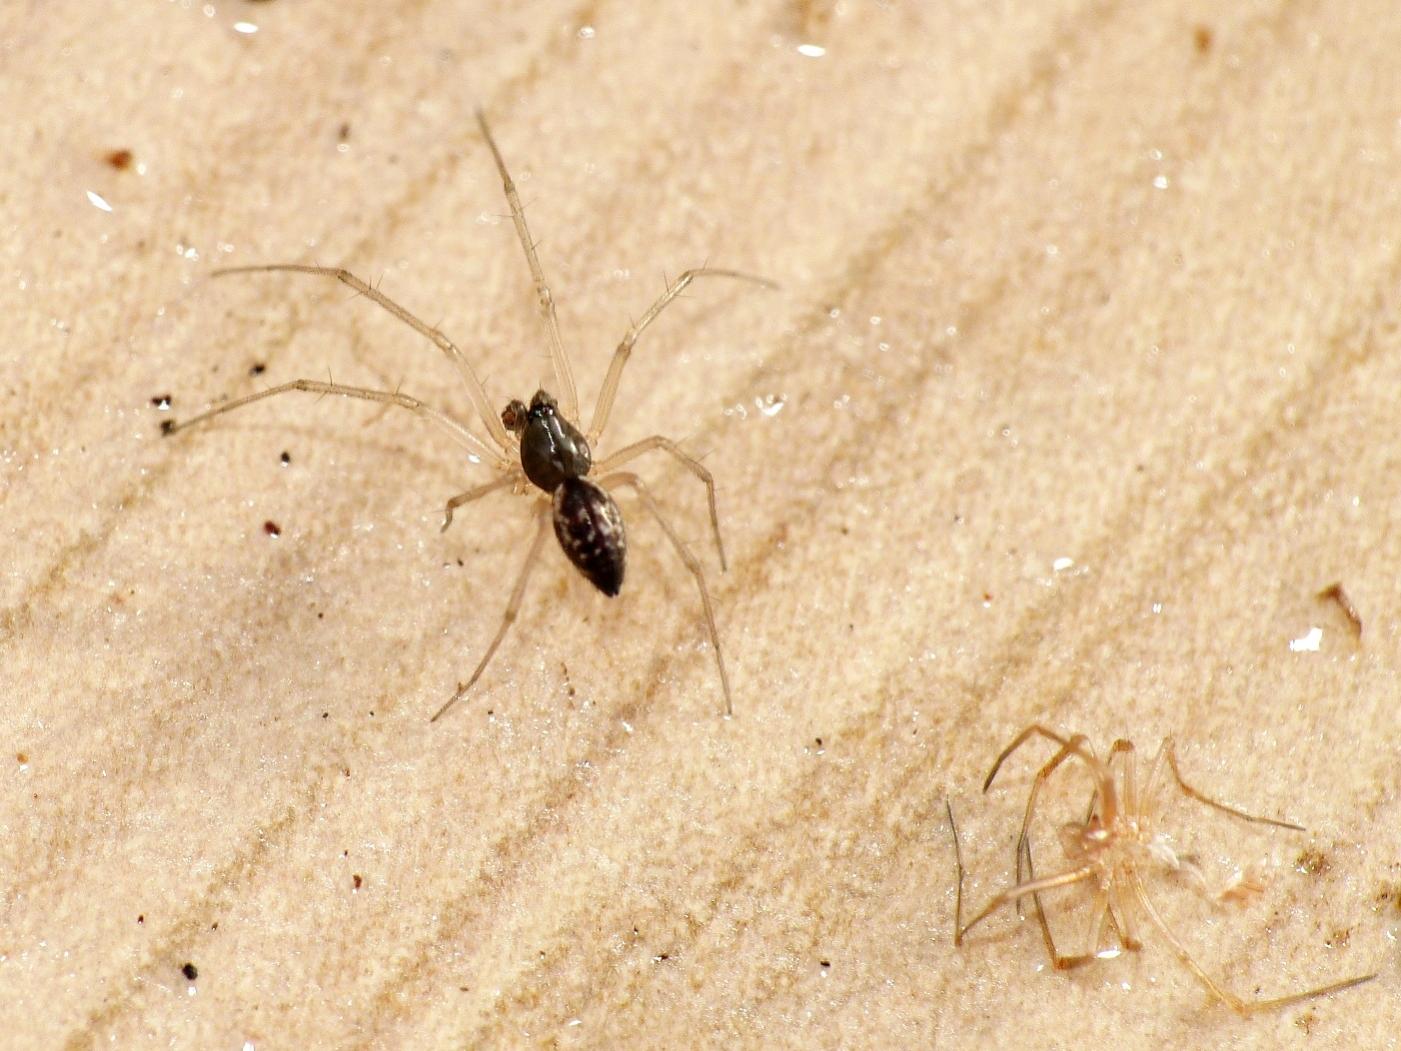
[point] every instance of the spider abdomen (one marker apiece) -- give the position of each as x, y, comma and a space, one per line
589, 528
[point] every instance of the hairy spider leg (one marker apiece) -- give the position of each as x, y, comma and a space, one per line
455, 429
603, 408
475, 390
632, 481
564, 374
542, 516
646, 445
511, 477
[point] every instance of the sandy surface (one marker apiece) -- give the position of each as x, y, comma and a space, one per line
1081, 385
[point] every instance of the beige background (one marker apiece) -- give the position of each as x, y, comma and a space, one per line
1113, 283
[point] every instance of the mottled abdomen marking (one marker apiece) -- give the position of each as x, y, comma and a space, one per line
589, 527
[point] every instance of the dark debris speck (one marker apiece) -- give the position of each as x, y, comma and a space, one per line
271, 528
190, 971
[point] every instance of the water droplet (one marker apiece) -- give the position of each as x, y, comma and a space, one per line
1062, 563
246, 28
97, 201
1308, 642
770, 404
1160, 182
811, 50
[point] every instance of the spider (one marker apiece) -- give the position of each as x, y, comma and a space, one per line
539, 444
1108, 848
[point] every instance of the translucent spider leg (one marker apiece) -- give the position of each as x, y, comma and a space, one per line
1021, 890
1240, 1006
603, 408
542, 517
568, 394
958, 871
1108, 913
475, 390
631, 452
1078, 745
960, 928
511, 477
456, 430
1169, 749
635, 483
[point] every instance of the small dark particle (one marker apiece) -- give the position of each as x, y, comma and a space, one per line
119, 159
819, 742
162, 402
356, 880
826, 963
286, 458
1334, 592
141, 918
343, 132
271, 528
257, 369
1202, 38
190, 971
325, 715
167, 426
22, 757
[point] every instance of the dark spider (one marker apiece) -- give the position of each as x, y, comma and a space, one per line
539, 443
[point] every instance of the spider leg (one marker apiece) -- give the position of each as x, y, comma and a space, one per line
1130, 778
1078, 746
542, 522
603, 408
1119, 917
1059, 961
684, 553
958, 871
564, 374
1033, 730
475, 390
1021, 890
477, 492
456, 430
1170, 750
687, 461
1240, 1006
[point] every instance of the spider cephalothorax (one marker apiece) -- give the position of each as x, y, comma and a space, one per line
555, 457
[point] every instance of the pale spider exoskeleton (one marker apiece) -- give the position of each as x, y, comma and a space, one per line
538, 445
1109, 848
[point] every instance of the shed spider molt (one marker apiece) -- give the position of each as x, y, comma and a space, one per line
538, 444
1108, 848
